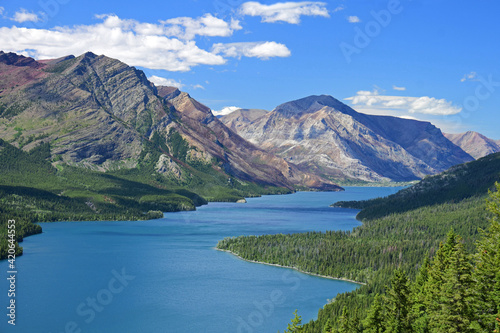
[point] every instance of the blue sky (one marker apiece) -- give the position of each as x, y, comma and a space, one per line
434, 60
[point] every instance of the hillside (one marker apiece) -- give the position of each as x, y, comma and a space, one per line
475, 144
32, 190
322, 135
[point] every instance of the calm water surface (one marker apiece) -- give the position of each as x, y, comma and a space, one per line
165, 275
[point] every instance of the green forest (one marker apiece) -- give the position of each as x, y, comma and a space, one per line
388, 254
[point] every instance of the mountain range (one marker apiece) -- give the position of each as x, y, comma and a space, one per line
324, 136
99, 113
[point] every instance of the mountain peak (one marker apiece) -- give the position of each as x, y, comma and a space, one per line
167, 92
90, 55
474, 143
311, 104
18, 60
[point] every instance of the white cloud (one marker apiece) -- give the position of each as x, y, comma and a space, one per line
161, 81
380, 104
262, 50
154, 46
24, 16
289, 12
398, 88
225, 111
1, 10
472, 76
338, 9
353, 19
198, 86
207, 25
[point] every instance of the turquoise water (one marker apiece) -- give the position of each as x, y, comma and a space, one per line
165, 275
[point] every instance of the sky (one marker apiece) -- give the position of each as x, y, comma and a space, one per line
431, 60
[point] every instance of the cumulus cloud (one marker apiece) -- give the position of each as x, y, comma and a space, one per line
472, 76
398, 88
413, 105
289, 12
207, 25
262, 50
161, 81
353, 19
24, 16
225, 111
166, 45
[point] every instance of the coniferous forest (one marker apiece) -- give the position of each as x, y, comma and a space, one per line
424, 267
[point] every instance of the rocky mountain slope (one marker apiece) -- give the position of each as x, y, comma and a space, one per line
242, 117
475, 144
322, 135
99, 113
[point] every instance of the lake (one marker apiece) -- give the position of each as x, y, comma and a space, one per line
165, 275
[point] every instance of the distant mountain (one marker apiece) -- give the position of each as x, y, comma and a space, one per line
209, 135
475, 144
242, 117
322, 135
101, 114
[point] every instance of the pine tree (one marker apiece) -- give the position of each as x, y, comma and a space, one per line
449, 288
375, 317
343, 326
398, 304
419, 309
328, 328
487, 269
295, 325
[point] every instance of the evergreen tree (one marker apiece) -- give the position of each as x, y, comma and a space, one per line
419, 309
449, 288
295, 325
344, 326
328, 328
398, 304
374, 322
355, 325
346, 323
487, 269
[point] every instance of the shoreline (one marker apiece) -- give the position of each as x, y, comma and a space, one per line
290, 267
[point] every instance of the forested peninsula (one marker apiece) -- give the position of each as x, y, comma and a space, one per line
440, 217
